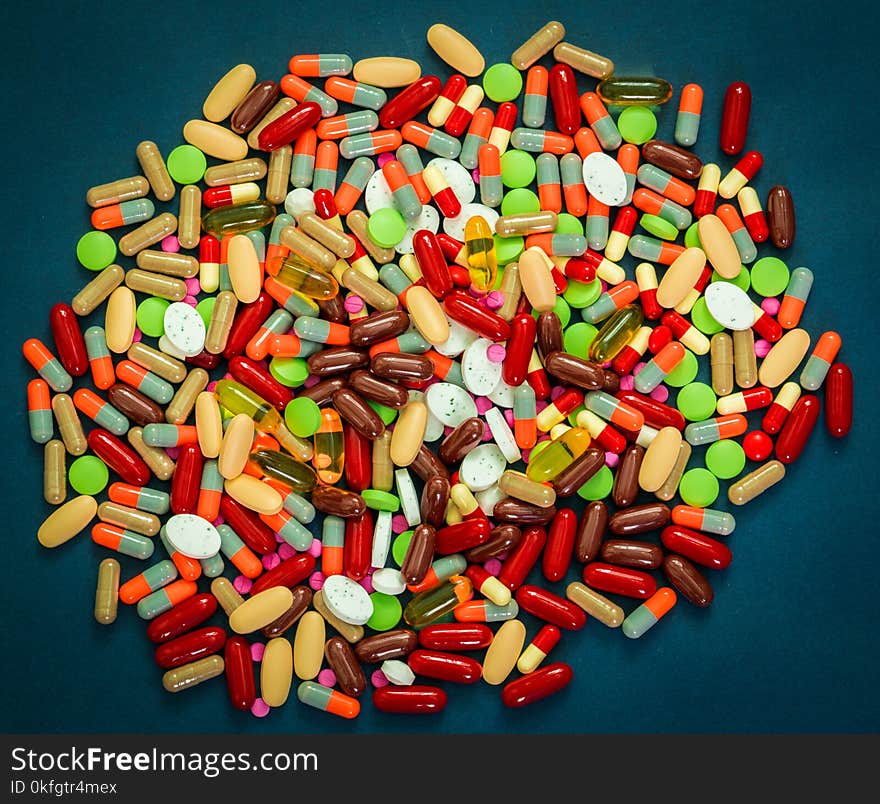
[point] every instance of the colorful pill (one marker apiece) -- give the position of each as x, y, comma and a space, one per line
614, 410
460, 117
745, 246
744, 401
328, 700
491, 186
122, 541
740, 174
355, 93
549, 183
711, 430
654, 250
657, 179
326, 162
540, 141
707, 190
535, 99
705, 519
431, 139
100, 411
645, 617
148, 581
46, 365
610, 301
753, 214
819, 362
445, 102
39, 411
320, 65
164, 599
687, 121
303, 92
658, 367
600, 121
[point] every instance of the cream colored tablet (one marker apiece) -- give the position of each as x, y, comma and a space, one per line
409, 433
261, 609
504, 651
276, 672
456, 50
67, 521
228, 92
784, 358
308, 645
209, 424
718, 244
254, 494
387, 71
660, 458
215, 140
119, 320
244, 268
681, 277
236, 446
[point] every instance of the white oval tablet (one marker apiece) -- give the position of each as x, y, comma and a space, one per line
729, 305
503, 435
450, 403
377, 193
409, 498
482, 467
481, 376
429, 219
347, 600
185, 328
460, 337
193, 536
434, 428
299, 201
502, 395
605, 179
388, 581
458, 177
169, 348
397, 672
487, 499
454, 227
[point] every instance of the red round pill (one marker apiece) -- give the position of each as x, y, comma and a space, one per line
757, 445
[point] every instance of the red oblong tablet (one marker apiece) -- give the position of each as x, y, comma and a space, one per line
698, 547
183, 617
735, 117
839, 400
407, 103
69, 339
455, 636
797, 429
414, 700
535, 686
445, 666
619, 580
190, 647
288, 573
239, 670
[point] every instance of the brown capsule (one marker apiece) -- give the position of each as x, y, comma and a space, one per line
502, 539
374, 388
518, 512
591, 531
639, 519
435, 497
338, 360
677, 161
134, 405
419, 554
334, 309
352, 407
688, 580
378, 327
612, 382
322, 392
626, 553
402, 366
575, 370
427, 464
579, 471
344, 663
780, 216
549, 333
390, 645
338, 502
626, 481
461, 440
254, 106
302, 597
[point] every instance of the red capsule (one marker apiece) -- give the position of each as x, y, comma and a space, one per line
119, 457
239, 671
619, 580
288, 573
839, 400
657, 415
455, 636
698, 547
412, 700
767, 327
445, 666
358, 459
735, 117
797, 429
187, 480
255, 533
407, 103
468, 311
248, 320
519, 349
462, 536
68, 339
190, 647
252, 374
432, 263
537, 685
579, 270
520, 562
659, 338
565, 99
357, 552
183, 617
453, 250
551, 608
560, 545
285, 129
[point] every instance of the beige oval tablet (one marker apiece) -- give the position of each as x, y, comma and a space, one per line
244, 268
681, 277
536, 280
456, 50
236, 446
502, 655
228, 92
68, 520
261, 609
252, 493
276, 672
784, 358
427, 315
350, 633
119, 320
209, 424
308, 645
387, 71
660, 458
719, 247
215, 140
409, 433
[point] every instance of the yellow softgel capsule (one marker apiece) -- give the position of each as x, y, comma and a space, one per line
482, 263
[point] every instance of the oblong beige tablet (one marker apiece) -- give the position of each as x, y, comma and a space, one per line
536, 280
119, 320
245, 275
228, 92
236, 446
276, 672
659, 459
681, 277
261, 609
68, 520
215, 140
784, 358
409, 433
456, 50
308, 645
252, 493
209, 424
718, 244
427, 315
504, 651
387, 71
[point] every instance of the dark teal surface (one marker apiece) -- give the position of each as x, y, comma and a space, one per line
790, 644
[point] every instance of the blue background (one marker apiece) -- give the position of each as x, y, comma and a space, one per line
790, 643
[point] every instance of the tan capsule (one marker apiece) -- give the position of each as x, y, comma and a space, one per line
278, 179
193, 674
116, 192
387, 71
54, 472
596, 605
184, 400
755, 483
120, 319
189, 218
67, 521
228, 92
252, 493
69, 425
153, 165
681, 277
98, 289
660, 459
209, 424
165, 287
107, 591
357, 220
148, 233
516, 484
157, 459
142, 522
584, 61
261, 609
374, 294
538, 44
215, 140
745, 364
222, 317
227, 595
511, 289
308, 645
350, 633
525, 223
784, 357
245, 273
427, 315
718, 244
502, 654
308, 249
670, 486
409, 433
283, 105
456, 50
236, 446
167, 367
244, 170
342, 245
383, 468
721, 347
276, 672
536, 280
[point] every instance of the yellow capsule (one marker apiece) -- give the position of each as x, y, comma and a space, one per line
341, 244
237, 172
615, 333
165, 287
192, 674
594, 604
757, 482
116, 192
374, 294
167, 367
511, 290
120, 319
222, 316
502, 654
279, 174
721, 347
142, 522
209, 424
516, 484
357, 220
69, 425
236, 446
558, 454
184, 400
670, 486
306, 279
97, 290
148, 233
329, 455
260, 610
227, 595
307, 248
745, 362
350, 633
480, 244
383, 468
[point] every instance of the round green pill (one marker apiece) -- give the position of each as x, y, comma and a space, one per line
386, 612
698, 487
702, 319
725, 459
684, 372
386, 414
518, 201
769, 276
387, 227
302, 417
508, 249
568, 224
598, 487
741, 280
562, 310
502, 82
696, 401
96, 250
400, 545
289, 371
637, 124
517, 169
578, 337
380, 500
151, 316
186, 164
88, 475
582, 294
205, 308
692, 236
657, 226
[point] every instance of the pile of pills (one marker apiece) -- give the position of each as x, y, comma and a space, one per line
372, 396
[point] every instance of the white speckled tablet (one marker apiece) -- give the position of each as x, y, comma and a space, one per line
193, 536
397, 672
388, 581
729, 305
458, 177
347, 600
502, 395
460, 337
502, 434
488, 498
381, 539
434, 428
377, 193
482, 467
185, 328
605, 179
454, 227
409, 499
450, 403
298, 201
481, 376
429, 219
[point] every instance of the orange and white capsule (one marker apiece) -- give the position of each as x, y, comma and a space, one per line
659, 366
690, 108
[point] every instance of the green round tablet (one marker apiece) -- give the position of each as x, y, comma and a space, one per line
568, 224
151, 316
582, 294
702, 319
502, 82
520, 200
88, 475
289, 371
387, 227
741, 280
302, 417
380, 500
684, 372
205, 309
698, 487
400, 545
578, 337
517, 169
508, 249
696, 401
769, 276
386, 612
657, 226
186, 164
96, 250
386, 414
692, 236
598, 487
725, 459
637, 124
562, 309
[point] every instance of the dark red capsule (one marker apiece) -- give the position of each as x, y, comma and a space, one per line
413, 700
255, 533
239, 671
537, 685
183, 617
735, 117
455, 636
462, 536
252, 374
619, 580
285, 129
190, 647
797, 429
564, 98
445, 666
358, 460
119, 457
357, 551
187, 480
288, 573
839, 400
248, 320
520, 562
411, 100
551, 608
560, 545
698, 547
69, 342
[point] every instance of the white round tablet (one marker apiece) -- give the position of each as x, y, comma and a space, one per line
481, 376
454, 227
605, 179
434, 428
429, 219
460, 337
729, 305
398, 673
193, 536
450, 403
458, 177
377, 194
482, 467
388, 581
347, 599
185, 328
299, 201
